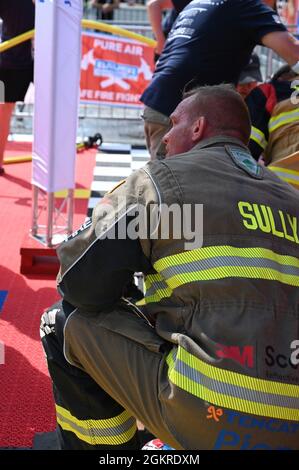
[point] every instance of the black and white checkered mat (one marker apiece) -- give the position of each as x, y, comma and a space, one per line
114, 162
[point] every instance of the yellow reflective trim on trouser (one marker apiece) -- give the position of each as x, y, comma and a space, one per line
156, 288
218, 262
111, 431
232, 390
283, 118
290, 176
259, 137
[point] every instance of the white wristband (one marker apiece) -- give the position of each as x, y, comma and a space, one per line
295, 67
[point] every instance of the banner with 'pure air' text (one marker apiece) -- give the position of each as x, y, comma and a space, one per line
114, 71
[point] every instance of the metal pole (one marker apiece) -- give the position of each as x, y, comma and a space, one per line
34, 225
70, 211
49, 233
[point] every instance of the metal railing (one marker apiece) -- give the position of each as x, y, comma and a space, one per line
114, 122
126, 13
122, 122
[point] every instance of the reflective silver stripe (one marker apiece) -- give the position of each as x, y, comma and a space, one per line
282, 119
228, 261
230, 389
156, 286
223, 388
258, 137
118, 429
287, 175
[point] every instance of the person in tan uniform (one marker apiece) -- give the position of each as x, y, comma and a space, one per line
274, 112
210, 358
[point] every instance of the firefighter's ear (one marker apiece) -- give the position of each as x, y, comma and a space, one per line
198, 129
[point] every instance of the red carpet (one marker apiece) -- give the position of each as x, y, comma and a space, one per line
16, 149
26, 403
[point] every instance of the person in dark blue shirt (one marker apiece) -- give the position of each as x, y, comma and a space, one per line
161, 26
16, 64
210, 43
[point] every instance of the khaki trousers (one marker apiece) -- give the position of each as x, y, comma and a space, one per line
123, 354
156, 125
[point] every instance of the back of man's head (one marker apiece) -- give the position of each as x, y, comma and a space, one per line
224, 110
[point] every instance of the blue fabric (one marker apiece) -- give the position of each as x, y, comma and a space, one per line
210, 43
3, 295
171, 16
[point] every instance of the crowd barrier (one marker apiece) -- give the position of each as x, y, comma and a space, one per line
125, 14
23, 111
134, 21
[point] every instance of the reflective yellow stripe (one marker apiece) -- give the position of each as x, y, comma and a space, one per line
156, 288
112, 431
282, 119
151, 279
222, 273
232, 390
222, 250
258, 137
290, 176
218, 262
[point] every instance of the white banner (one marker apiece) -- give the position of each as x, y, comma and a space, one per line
56, 80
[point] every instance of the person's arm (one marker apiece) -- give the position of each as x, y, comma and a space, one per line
284, 44
98, 261
257, 105
155, 10
291, 8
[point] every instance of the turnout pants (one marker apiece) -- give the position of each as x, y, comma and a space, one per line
112, 367
105, 370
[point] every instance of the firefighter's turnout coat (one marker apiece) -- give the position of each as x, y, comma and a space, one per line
274, 113
219, 367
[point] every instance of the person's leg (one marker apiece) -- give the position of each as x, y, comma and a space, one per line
15, 84
6, 110
156, 125
87, 417
126, 357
